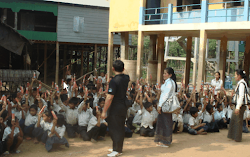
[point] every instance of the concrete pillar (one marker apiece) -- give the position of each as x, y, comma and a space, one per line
160, 52
124, 45
202, 53
223, 58
140, 47
237, 54
247, 58
196, 46
188, 60
110, 54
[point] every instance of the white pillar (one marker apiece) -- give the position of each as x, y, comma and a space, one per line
195, 63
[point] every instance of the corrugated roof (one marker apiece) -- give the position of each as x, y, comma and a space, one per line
99, 3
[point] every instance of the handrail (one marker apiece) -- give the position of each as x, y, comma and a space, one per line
190, 5
226, 2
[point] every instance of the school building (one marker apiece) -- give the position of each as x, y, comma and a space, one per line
61, 32
204, 19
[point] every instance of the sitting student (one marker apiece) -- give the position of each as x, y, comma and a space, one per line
208, 118
245, 121
97, 127
71, 115
230, 109
56, 135
177, 122
43, 127
101, 102
199, 107
148, 119
137, 122
30, 122
13, 136
84, 116
219, 117
194, 126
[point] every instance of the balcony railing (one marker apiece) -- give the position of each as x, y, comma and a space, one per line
209, 12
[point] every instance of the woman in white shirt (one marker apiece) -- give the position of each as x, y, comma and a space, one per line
164, 125
217, 83
236, 123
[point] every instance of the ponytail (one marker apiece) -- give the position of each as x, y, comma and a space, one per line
173, 77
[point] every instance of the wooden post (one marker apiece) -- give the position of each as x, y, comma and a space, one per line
247, 58
37, 56
152, 47
95, 60
188, 60
110, 54
196, 46
223, 58
88, 61
57, 63
124, 45
45, 63
202, 53
81, 73
160, 52
140, 47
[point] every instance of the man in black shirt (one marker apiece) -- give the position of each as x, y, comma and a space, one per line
116, 107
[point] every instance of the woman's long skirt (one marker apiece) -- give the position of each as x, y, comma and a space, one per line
235, 126
164, 128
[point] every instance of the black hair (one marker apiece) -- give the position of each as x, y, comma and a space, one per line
48, 114
81, 90
60, 120
73, 100
118, 65
193, 110
90, 103
155, 102
173, 77
34, 89
91, 95
133, 83
94, 110
68, 81
9, 119
4, 114
197, 104
33, 106
49, 105
218, 106
94, 88
241, 73
101, 99
64, 97
209, 107
147, 105
217, 72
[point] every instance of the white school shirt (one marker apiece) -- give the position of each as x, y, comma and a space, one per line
18, 114
147, 119
155, 112
186, 117
241, 88
217, 85
56, 107
96, 100
207, 117
59, 130
193, 121
93, 122
45, 125
71, 114
103, 79
246, 114
177, 118
135, 108
8, 130
138, 117
219, 115
229, 112
84, 116
29, 120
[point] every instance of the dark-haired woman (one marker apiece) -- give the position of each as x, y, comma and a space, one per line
217, 83
236, 123
164, 123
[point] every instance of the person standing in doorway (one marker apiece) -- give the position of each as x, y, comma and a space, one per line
115, 108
